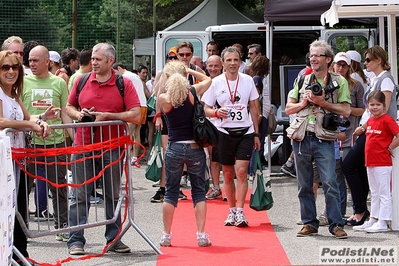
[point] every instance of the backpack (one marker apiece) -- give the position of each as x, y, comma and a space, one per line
119, 83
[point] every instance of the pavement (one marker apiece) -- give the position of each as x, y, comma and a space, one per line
148, 217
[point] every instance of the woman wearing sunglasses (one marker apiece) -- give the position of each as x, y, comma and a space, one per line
13, 114
353, 165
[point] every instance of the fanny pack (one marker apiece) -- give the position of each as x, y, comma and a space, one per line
236, 131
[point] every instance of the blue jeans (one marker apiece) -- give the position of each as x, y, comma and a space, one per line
322, 152
177, 155
80, 200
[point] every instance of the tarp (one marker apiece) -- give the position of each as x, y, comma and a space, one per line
290, 10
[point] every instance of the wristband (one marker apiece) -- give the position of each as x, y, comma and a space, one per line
257, 135
215, 113
157, 115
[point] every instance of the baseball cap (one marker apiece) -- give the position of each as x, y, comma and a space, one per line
54, 56
354, 55
341, 56
173, 51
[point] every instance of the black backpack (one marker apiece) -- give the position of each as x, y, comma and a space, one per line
119, 83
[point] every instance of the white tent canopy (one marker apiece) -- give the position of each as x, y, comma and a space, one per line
367, 9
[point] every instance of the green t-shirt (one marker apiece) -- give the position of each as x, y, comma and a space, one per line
39, 94
73, 78
343, 96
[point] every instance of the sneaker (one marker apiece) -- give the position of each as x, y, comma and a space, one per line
62, 237
165, 240
299, 222
288, 170
339, 233
158, 197
133, 161
323, 221
231, 219
215, 193
95, 200
240, 220
364, 226
183, 181
119, 247
380, 226
182, 196
203, 240
307, 230
157, 184
76, 250
43, 216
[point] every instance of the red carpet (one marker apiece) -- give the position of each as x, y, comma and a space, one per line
254, 245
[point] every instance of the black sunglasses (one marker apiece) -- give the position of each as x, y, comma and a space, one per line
367, 60
7, 67
172, 58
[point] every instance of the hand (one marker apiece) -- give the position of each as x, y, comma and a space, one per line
158, 123
223, 113
358, 131
85, 112
256, 143
316, 99
51, 113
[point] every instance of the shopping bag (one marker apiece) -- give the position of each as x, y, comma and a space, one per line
261, 196
154, 164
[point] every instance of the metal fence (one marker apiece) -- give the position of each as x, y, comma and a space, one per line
66, 175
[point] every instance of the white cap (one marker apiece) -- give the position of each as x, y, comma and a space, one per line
341, 56
354, 55
54, 56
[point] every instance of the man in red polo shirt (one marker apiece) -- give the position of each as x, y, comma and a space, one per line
101, 99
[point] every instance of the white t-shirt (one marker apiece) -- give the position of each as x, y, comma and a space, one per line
138, 85
13, 111
386, 85
235, 100
357, 77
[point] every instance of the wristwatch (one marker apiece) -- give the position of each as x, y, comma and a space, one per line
257, 135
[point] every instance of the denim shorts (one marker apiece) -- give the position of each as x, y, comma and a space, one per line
176, 156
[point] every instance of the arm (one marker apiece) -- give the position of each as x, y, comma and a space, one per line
254, 115
204, 81
293, 107
67, 120
395, 142
133, 115
159, 88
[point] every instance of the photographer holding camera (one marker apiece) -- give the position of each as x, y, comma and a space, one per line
322, 98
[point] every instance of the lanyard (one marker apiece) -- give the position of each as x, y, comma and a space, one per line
232, 97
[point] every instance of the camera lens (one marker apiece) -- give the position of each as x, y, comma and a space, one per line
88, 118
316, 89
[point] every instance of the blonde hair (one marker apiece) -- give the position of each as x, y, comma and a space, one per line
177, 84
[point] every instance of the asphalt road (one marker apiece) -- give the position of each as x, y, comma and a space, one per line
148, 217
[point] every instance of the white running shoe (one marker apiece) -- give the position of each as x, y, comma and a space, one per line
364, 226
380, 226
230, 221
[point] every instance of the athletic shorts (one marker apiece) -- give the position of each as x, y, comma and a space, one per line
232, 148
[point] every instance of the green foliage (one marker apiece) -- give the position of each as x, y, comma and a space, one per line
50, 21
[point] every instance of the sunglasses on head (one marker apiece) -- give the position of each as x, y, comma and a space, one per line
7, 67
20, 53
367, 60
185, 54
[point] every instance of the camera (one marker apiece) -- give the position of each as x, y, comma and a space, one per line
315, 89
331, 87
88, 118
331, 121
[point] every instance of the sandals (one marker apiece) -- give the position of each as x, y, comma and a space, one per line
354, 222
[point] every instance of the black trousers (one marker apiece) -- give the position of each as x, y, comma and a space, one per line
356, 174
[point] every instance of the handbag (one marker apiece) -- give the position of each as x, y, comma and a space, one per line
271, 123
154, 164
261, 196
151, 104
205, 133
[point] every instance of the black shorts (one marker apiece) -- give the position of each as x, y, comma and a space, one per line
215, 154
232, 148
